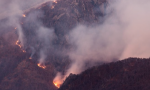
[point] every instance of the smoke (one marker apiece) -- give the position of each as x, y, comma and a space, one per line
13, 20
13, 11
124, 33
42, 57
58, 80
12, 16
33, 52
46, 36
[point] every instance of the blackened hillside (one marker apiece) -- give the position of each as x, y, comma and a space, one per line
129, 74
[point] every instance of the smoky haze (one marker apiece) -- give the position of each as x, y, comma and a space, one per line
11, 14
124, 33
6, 6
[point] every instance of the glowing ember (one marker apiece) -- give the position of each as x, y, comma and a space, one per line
56, 84
24, 15
17, 43
24, 51
52, 7
41, 66
55, 1
30, 57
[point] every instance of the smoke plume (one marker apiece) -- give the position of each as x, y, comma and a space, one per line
46, 36
12, 15
124, 33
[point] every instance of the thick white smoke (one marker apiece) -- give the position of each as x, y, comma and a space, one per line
124, 33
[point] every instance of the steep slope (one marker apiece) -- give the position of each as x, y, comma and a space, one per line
129, 74
17, 71
28, 76
62, 16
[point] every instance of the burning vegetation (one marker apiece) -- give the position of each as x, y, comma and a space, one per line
55, 1
53, 18
24, 15
41, 65
56, 84
112, 76
18, 44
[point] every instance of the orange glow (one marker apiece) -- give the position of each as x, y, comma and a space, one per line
24, 51
56, 84
24, 15
52, 7
55, 1
15, 27
41, 66
17, 43
30, 57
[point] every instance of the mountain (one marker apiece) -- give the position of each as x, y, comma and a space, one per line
17, 71
128, 74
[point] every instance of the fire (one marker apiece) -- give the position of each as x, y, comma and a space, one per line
56, 84
58, 80
41, 65
24, 15
52, 7
17, 43
55, 1
24, 51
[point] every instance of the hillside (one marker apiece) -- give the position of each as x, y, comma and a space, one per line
129, 74
17, 71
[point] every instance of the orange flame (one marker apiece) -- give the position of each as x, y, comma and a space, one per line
55, 1
24, 51
52, 7
30, 57
41, 66
56, 84
24, 15
17, 43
